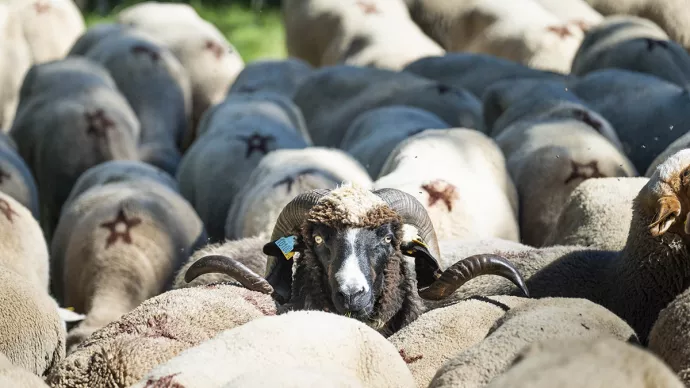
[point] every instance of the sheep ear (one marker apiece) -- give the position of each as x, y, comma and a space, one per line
426, 265
667, 213
280, 274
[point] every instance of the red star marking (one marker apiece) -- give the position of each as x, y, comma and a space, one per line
120, 228
41, 7
367, 7
440, 190
256, 142
4, 175
99, 123
142, 49
584, 171
561, 31
408, 359
6, 209
215, 47
163, 382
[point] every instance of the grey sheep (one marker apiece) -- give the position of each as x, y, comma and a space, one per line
647, 112
597, 214
93, 36
14, 376
216, 167
352, 251
634, 283
374, 134
671, 15
16, 179
547, 158
438, 335
510, 101
474, 72
118, 244
279, 177
157, 88
280, 76
532, 321
122, 352
332, 98
60, 138
571, 362
634, 44
340, 347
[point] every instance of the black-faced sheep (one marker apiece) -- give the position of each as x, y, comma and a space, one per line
349, 248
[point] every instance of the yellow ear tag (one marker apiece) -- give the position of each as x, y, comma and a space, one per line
70, 308
420, 242
286, 246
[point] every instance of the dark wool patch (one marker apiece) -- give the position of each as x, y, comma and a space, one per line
409, 359
329, 214
163, 382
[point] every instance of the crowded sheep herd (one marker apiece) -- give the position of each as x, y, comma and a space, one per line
425, 193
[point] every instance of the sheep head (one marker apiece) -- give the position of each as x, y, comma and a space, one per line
667, 196
352, 235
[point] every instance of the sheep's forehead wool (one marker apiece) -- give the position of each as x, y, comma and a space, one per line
352, 205
410, 232
669, 171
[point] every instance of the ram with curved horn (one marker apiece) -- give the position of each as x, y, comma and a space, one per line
343, 251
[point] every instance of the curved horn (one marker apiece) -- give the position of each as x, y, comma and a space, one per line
231, 267
468, 269
278, 270
413, 213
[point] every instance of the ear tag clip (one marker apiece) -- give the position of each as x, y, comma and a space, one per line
286, 246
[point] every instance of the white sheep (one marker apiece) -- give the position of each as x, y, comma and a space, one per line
636, 282
332, 344
16, 62
63, 131
50, 27
438, 335
378, 34
597, 214
574, 11
474, 72
375, 133
459, 175
16, 179
118, 244
157, 12
547, 158
157, 88
216, 167
14, 376
571, 362
122, 352
280, 76
532, 321
279, 177
519, 30
647, 112
635, 44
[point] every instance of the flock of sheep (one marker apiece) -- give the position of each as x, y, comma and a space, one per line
171, 217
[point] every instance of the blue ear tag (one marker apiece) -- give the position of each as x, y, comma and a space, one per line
286, 246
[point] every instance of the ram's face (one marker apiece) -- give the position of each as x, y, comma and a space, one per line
354, 260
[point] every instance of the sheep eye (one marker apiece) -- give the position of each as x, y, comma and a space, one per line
388, 239
318, 239
686, 173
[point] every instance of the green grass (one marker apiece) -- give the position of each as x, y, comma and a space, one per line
255, 34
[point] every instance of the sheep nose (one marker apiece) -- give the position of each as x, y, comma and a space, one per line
351, 295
